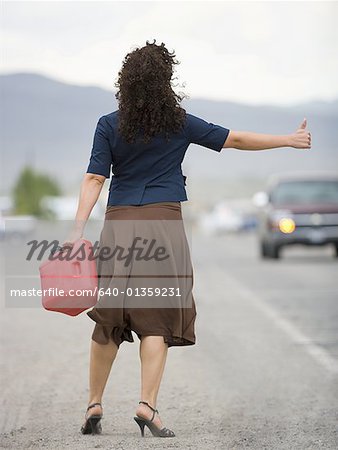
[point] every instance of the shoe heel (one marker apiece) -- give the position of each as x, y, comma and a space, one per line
141, 423
95, 425
92, 425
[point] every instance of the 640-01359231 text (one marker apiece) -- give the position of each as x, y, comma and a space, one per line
137, 292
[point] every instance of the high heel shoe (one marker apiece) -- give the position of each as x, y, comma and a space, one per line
93, 423
163, 432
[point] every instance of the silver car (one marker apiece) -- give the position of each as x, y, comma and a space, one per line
297, 209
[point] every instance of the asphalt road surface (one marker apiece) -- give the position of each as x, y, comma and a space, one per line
262, 375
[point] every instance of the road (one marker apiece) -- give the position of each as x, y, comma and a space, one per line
262, 375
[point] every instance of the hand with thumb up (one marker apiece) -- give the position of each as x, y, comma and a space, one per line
301, 138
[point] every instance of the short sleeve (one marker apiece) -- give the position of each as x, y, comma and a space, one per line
205, 133
101, 157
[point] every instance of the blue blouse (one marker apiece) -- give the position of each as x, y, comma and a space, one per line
148, 173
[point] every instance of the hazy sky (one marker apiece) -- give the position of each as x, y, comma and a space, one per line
252, 52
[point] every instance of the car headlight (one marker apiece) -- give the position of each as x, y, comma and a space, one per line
282, 220
286, 225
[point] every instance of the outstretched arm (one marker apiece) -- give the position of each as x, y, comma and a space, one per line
246, 140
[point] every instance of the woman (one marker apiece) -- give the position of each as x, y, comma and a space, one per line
144, 143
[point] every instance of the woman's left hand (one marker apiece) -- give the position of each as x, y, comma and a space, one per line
302, 137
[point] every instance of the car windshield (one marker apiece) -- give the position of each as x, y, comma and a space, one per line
305, 192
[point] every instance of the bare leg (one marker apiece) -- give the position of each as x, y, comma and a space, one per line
153, 355
101, 360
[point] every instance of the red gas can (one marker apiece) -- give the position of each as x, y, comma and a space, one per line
69, 280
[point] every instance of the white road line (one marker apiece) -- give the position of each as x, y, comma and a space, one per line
318, 353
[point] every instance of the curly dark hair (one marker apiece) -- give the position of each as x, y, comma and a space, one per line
146, 99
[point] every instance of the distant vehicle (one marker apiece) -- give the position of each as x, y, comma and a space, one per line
227, 216
221, 219
297, 209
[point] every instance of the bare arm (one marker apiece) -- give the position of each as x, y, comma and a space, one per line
246, 140
90, 190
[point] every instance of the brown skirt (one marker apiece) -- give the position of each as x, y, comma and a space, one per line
145, 276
